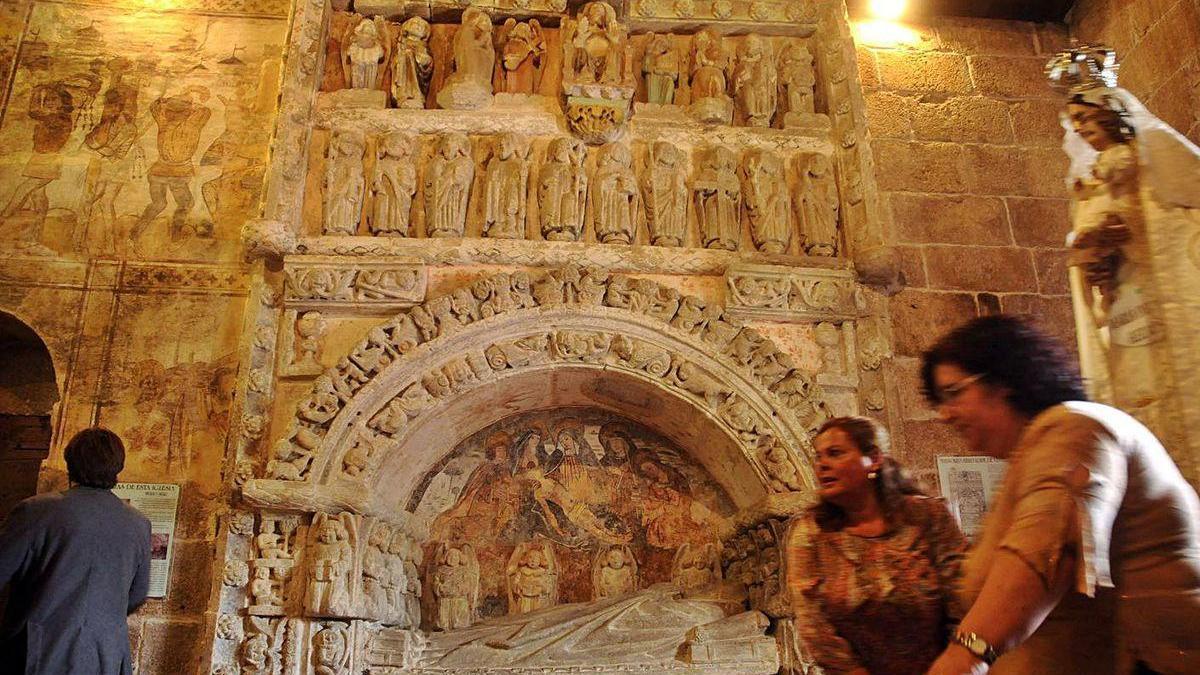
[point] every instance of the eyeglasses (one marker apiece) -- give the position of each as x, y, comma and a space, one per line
950, 392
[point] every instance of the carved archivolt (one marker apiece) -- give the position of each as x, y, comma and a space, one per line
500, 326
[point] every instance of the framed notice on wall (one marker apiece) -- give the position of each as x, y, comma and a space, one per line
158, 502
968, 484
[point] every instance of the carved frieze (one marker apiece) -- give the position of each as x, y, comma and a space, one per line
377, 286
788, 295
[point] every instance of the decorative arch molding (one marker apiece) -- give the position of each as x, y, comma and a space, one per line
377, 410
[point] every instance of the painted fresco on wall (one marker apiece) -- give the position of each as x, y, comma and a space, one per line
573, 486
137, 133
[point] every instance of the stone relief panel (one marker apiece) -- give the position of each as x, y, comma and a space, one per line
119, 147
562, 506
376, 286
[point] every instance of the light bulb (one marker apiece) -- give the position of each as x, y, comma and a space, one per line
888, 10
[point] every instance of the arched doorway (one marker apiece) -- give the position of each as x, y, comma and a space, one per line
28, 392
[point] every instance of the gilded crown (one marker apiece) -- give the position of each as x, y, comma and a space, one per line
1083, 68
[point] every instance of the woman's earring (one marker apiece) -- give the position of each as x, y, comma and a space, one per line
873, 475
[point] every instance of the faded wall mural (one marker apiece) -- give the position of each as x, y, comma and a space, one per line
564, 506
136, 133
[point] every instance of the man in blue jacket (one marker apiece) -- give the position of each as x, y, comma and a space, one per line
78, 563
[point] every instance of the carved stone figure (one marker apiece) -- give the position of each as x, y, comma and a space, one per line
718, 195
820, 207
343, 186
469, 85
532, 576
665, 193
615, 199
329, 573
696, 567
412, 557
756, 82
710, 88
798, 79
263, 589
506, 188
614, 572
393, 184
764, 187
595, 46
456, 587
364, 54
375, 580
661, 68
310, 327
331, 651
522, 51
398, 583
562, 190
412, 64
784, 475
448, 178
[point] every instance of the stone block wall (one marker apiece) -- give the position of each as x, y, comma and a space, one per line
967, 142
1158, 42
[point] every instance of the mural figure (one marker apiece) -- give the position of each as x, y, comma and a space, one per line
343, 187
614, 572
756, 82
616, 201
562, 190
764, 186
661, 68
393, 184
180, 120
596, 48
113, 139
522, 50
448, 179
365, 54
51, 107
820, 207
455, 586
718, 195
532, 578
798, 78
469, 85
665, 193
506, 186
412, 64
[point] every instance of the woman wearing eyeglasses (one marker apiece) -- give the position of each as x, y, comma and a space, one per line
1094, 535
870, 568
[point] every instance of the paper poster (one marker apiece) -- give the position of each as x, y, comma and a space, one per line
968, 484
158, 502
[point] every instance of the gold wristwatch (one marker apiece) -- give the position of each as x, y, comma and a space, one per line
977, 646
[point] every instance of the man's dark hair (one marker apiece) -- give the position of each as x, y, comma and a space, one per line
1010, 352
94, 458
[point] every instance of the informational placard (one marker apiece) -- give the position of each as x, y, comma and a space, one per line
968, 484
158, 502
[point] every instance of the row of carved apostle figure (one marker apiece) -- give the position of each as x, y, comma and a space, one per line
532, 577
610, 198
766, 77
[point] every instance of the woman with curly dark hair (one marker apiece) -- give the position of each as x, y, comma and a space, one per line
1094, 533
870, 567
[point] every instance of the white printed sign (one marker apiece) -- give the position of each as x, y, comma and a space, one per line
158, 502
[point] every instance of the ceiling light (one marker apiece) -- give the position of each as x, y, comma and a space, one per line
888, 10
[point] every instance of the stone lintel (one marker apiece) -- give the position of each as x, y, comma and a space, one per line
791, 295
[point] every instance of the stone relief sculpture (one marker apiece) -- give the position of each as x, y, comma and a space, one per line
412, 556
819, 207
332, 556
365, 53
562, 190
597, 79
331, 650
798, 80
784, 475
764, 188
661, 69
596, 45
469, 85
393, 184
260, 651
532, 576
614, 572
455, 586
397, 586
665, 194
522, 49
448, 178
309, 328
718, 195
412, 64
696, 567
615, 199
344, 183
506, 189
756, 82
710, 89
375, 574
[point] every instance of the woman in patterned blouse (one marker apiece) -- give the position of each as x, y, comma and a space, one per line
871, 567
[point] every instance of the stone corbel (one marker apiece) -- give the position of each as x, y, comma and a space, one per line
791, 295
366, 287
